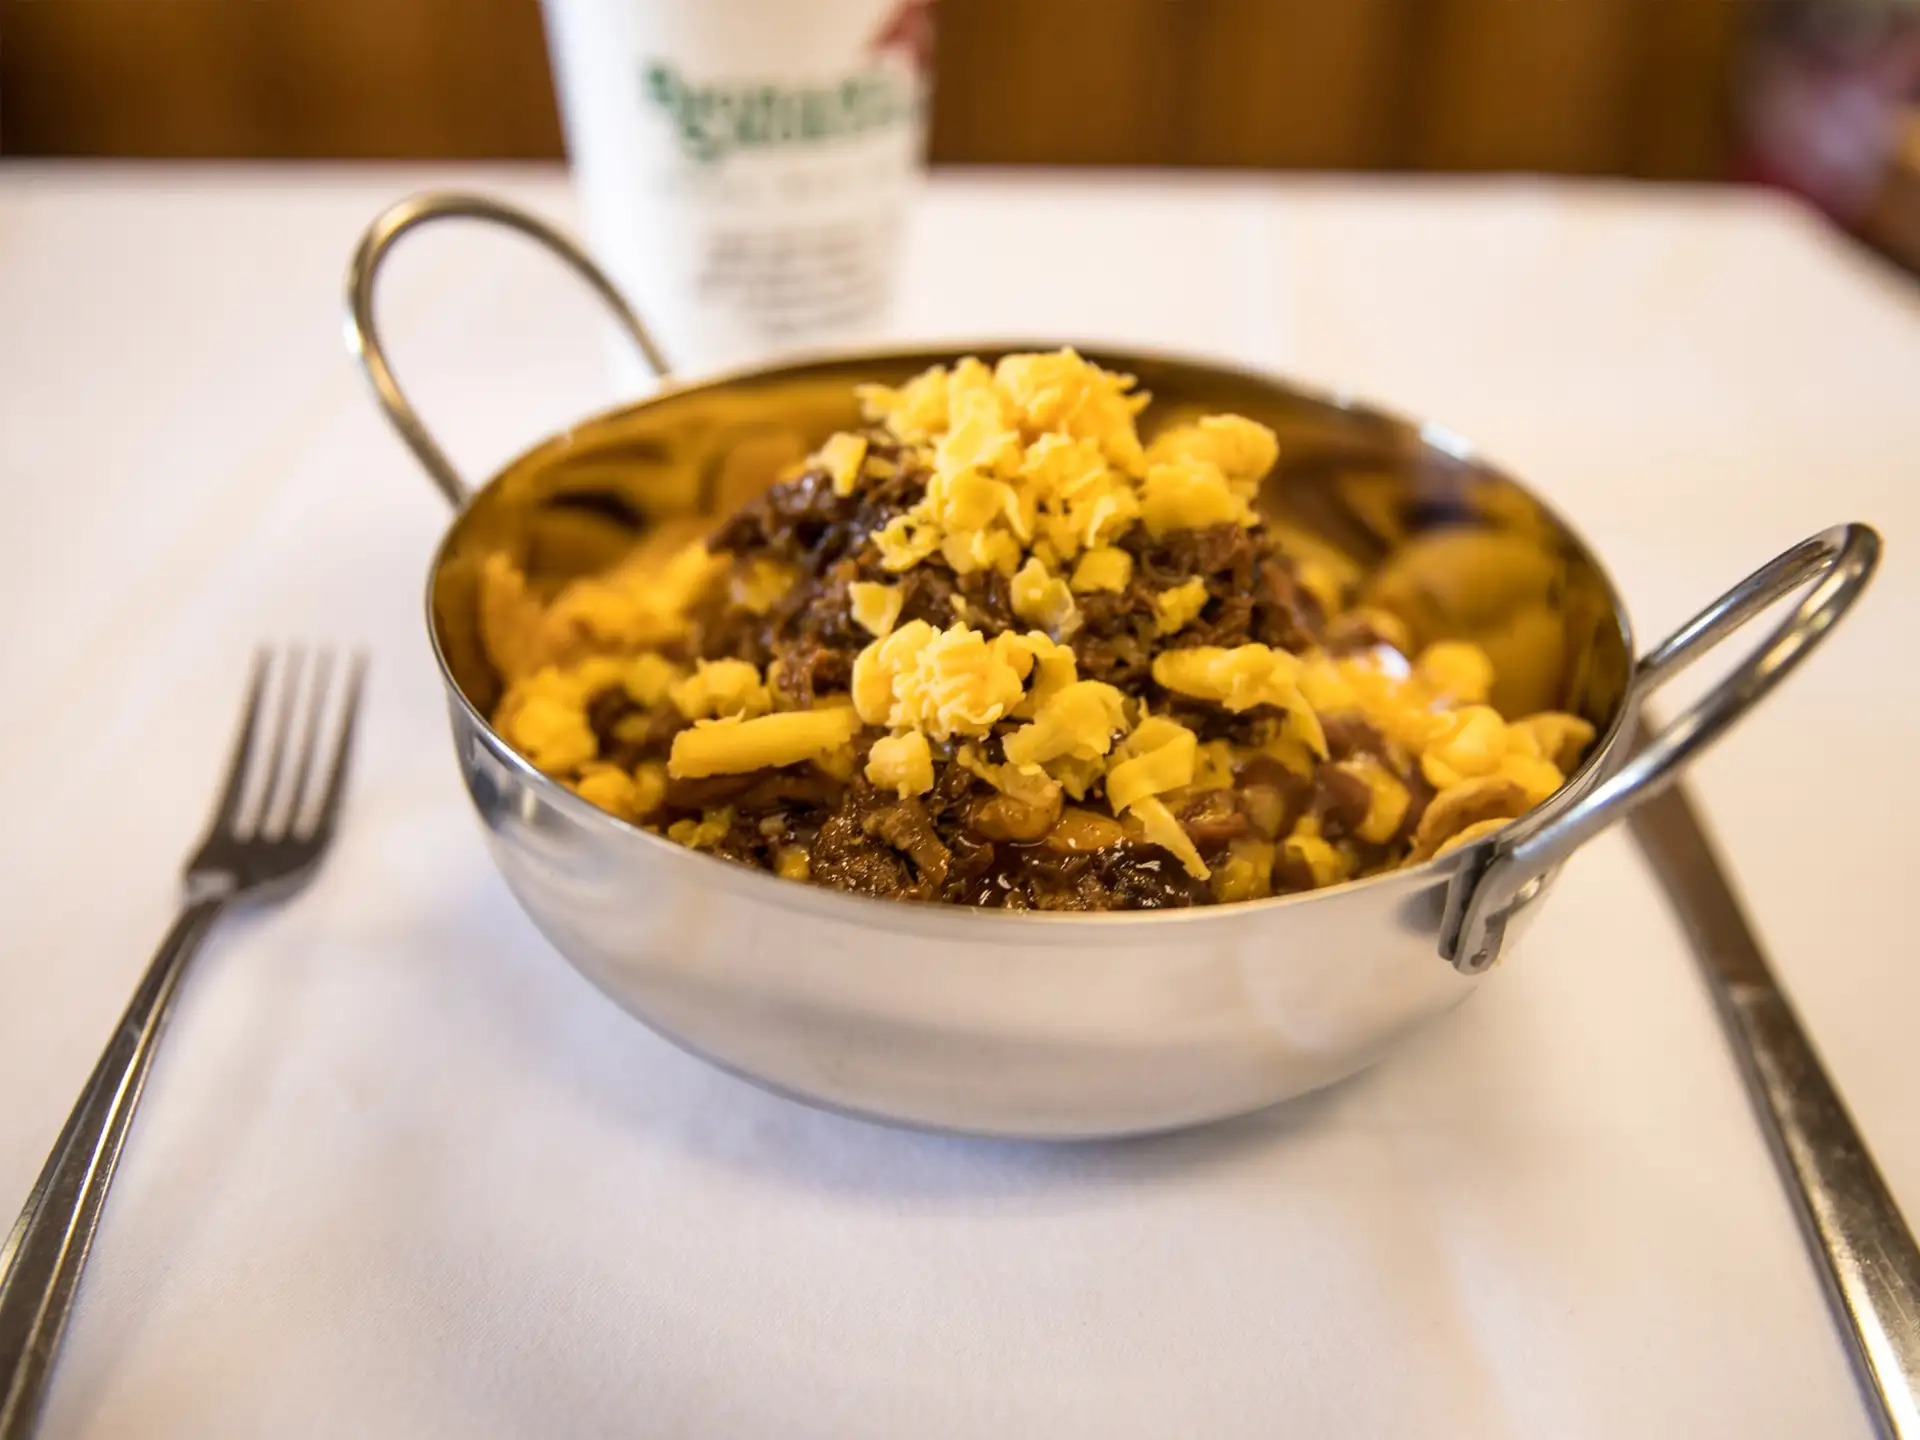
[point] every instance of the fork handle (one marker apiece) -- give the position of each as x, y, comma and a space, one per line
41, 1262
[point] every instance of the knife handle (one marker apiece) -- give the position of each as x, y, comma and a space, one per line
1868, 1259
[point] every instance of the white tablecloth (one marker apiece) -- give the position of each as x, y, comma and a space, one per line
400, 1172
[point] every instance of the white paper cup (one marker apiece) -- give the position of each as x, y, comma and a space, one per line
744, 166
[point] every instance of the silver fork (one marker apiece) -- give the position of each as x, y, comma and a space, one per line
273, 823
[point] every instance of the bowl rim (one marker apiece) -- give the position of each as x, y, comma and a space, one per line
918, 915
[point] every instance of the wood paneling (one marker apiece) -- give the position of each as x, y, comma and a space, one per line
1582, 86
356, 79
1172, 82
1298, 83
1073, 82
1634, 87
1680, 114
1528, 86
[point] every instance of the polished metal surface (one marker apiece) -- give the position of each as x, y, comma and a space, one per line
1066, 1026
365, 266
271, 826
1841, 560
1867, 1256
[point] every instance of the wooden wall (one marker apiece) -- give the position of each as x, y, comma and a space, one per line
1582, 86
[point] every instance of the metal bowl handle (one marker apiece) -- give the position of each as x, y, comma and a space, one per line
1840, 560
363, 335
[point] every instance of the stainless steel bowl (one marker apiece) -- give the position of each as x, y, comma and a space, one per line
1059, 1025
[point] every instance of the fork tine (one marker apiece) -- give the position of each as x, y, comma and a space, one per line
336, 782
309, 742
276, 773
236, 785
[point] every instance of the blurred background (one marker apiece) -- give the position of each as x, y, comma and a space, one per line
1819, 96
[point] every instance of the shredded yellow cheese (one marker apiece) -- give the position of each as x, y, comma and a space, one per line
721, 687
1242, 450
875, 608
759, 585
1158, 757
842, 456
901, 763
1237, 679
1039, 458
649, 676
945, 682
1190, 495
1042, 598
1104, 568
1175, 609
734, 746
1457, 671
1079, 720
1159, 826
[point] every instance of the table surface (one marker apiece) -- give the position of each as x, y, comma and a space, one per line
400, 1171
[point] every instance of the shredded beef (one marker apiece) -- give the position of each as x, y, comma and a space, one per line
804, 522
1212, 819
963, 842
847, 858
1349, 735
758, 791
1341, 800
